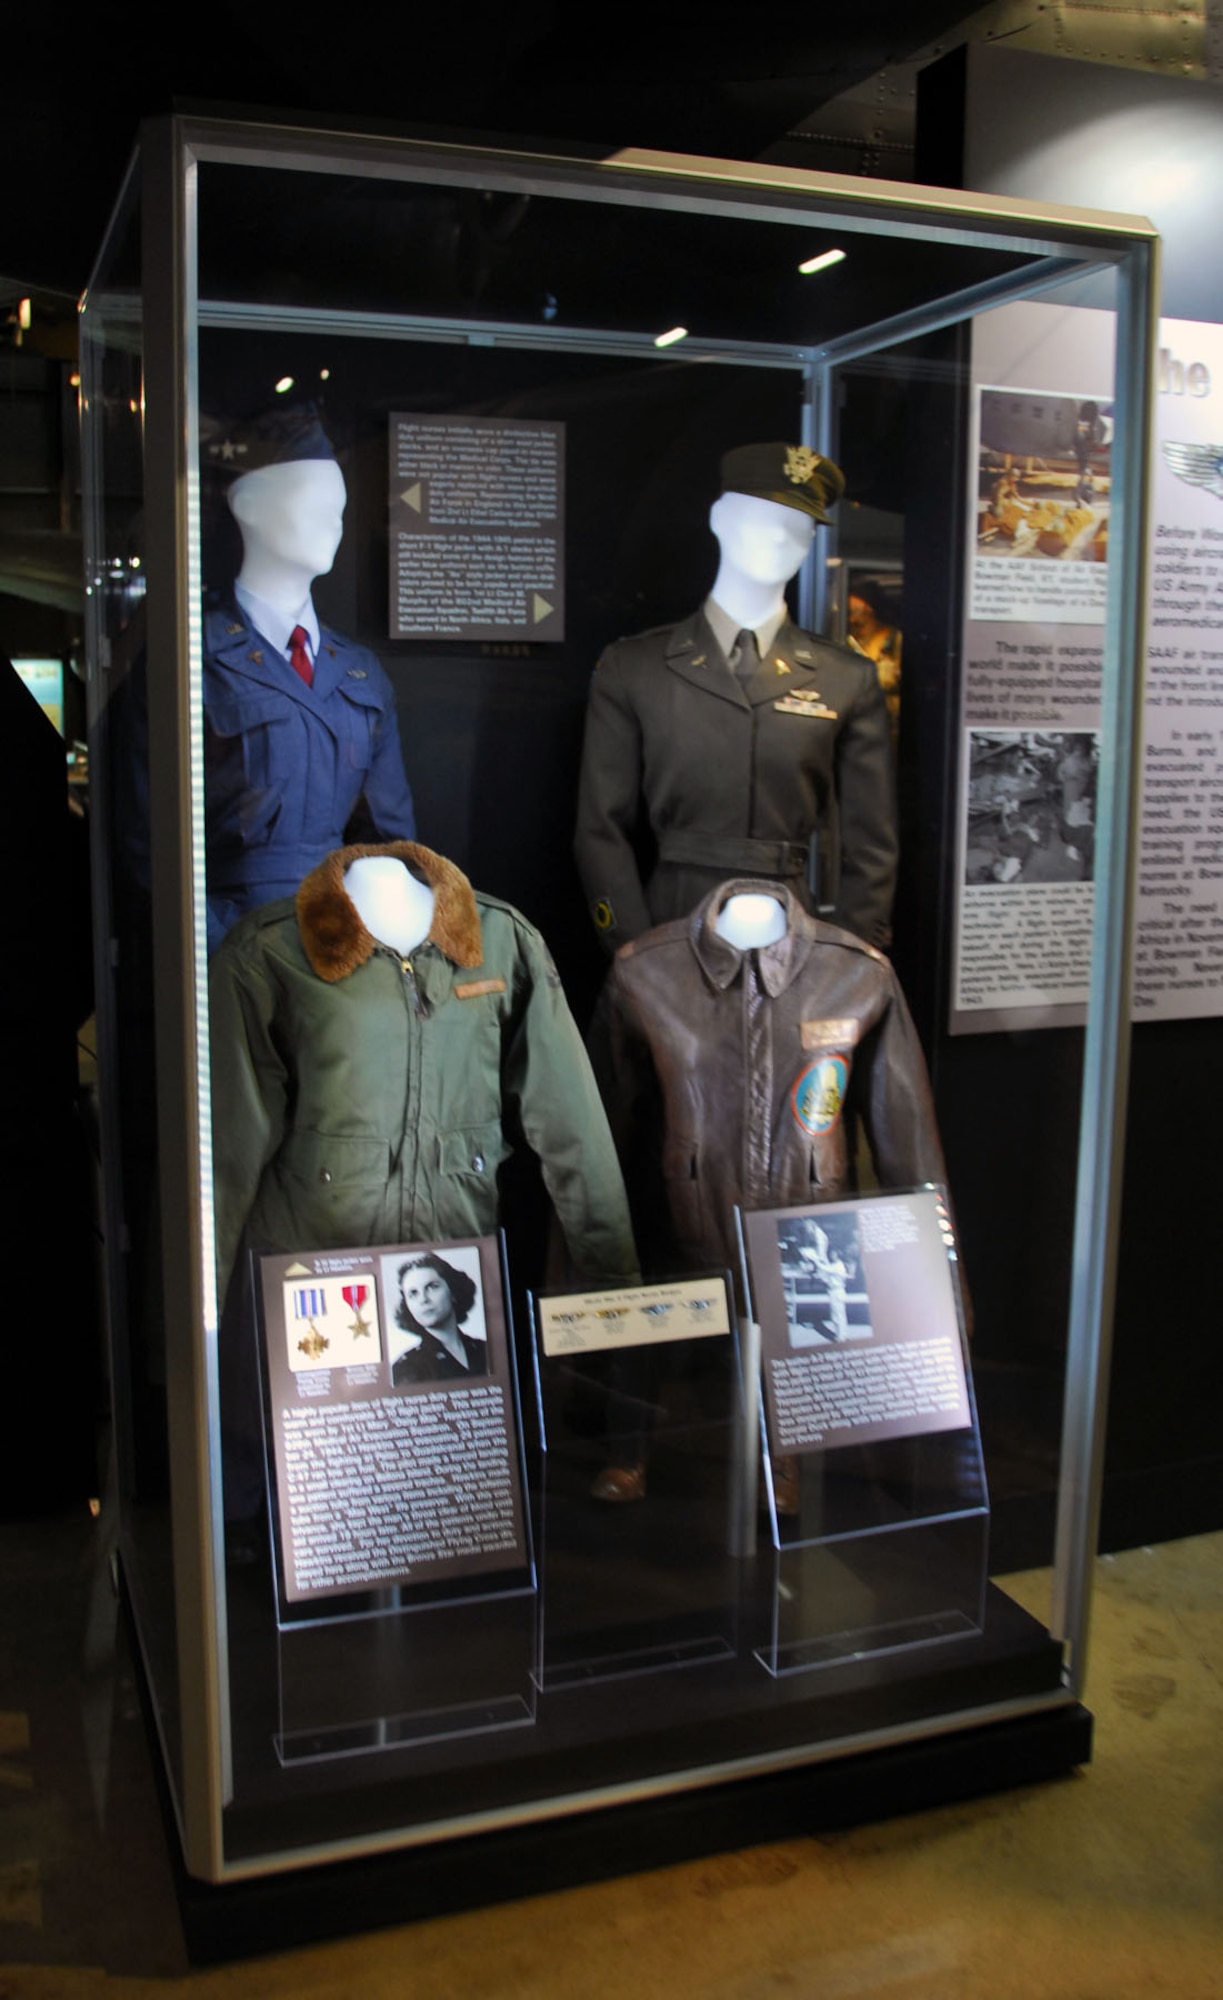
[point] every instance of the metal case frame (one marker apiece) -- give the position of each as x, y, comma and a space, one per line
1059, 243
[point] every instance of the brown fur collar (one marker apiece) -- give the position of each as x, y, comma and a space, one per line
335, 939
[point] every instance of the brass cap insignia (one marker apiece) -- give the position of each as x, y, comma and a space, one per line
801, 462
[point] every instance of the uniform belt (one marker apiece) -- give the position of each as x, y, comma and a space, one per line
778, 858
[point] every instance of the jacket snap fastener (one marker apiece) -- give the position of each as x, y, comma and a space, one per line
325, 1176
477, 1163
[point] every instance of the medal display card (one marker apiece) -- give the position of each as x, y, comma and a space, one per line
632, 1316
639, 1402
391, 1418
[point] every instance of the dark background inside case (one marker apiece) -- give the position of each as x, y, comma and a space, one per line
491, 733
492, 736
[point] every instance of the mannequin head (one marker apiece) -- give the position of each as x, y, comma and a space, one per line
394, 906
772, 496
763, 545
291, 519
761, 539
748, 920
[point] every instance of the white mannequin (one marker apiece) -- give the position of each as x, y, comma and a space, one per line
763, 545
291, 519
750, 921
394, 907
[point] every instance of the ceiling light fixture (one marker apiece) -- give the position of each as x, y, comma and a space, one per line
285, 382
822, 262
669, 339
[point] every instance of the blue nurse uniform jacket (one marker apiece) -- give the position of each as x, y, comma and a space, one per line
288, 768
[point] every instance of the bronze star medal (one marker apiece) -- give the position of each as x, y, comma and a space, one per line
354, 1297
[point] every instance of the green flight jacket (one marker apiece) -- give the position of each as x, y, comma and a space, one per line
358, 1097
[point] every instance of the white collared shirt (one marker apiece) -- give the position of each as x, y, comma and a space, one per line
275, 627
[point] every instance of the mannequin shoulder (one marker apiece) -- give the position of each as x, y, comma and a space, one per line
653, 950
826, 654
639, 651
830, 937
256, 939
510, 940
355, 658
225, 628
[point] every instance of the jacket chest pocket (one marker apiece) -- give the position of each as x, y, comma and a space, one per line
828, 1167
468, 1157
249, 760
332, 1187
360, 710
468, 1161
472, 1152
681, 1173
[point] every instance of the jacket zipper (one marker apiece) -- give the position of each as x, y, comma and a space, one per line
409, 977
409, 1148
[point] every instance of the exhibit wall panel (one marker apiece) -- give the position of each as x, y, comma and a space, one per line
1093, 128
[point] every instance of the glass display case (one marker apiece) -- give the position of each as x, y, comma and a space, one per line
539, 1393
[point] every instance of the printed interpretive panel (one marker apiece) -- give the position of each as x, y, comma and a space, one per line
860, 1328
477, 515
392, 1417
1033, 660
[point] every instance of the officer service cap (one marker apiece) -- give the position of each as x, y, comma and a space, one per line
792, 474
279, 436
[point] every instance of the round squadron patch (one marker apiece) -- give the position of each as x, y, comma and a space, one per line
819, 1093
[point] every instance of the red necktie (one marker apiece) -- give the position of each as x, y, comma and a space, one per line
299, 658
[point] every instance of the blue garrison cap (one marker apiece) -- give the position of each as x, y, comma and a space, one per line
278, 436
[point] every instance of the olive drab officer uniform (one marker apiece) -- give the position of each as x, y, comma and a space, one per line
737, 774
735, 778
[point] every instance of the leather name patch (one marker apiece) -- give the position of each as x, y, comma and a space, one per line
472, 988
829, 1034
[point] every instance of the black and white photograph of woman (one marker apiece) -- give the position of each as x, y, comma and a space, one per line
435, 1302
825, 1290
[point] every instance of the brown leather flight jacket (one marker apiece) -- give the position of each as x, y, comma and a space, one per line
736, 1077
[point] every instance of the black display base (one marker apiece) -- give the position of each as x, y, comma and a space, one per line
280, 1912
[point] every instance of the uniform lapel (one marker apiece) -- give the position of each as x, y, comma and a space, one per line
695, 655
329, 665
240, 647
791, 664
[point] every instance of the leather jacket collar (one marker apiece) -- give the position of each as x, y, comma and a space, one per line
779, 963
